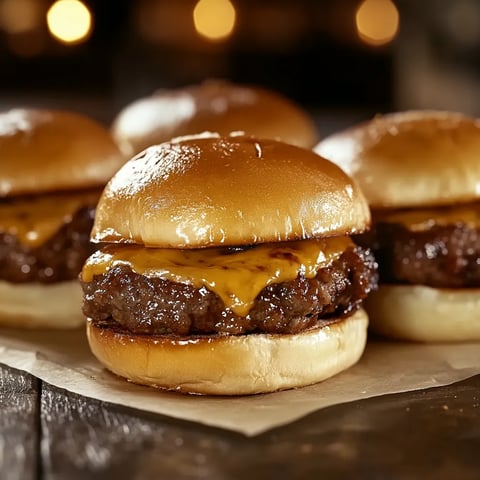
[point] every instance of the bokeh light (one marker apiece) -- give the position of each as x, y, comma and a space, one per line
214, 19
377, 21
69, 21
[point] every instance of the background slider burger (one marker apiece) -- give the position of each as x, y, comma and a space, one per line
420, 172
53, 167
213, 105
229, 268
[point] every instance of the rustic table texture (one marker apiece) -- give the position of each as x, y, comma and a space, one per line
48, 433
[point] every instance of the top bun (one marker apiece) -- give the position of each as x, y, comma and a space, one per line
209, 190
411, 159
51, 150
214, 105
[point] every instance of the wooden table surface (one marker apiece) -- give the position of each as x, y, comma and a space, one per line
48, 433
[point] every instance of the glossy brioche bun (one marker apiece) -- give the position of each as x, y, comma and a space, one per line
214, 105
37, 305
232, 365
425, 314
208, 190
410, 159
50, 150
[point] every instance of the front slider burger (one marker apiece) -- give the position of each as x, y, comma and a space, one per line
229, 268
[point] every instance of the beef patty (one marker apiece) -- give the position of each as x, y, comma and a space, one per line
149, 305
60, 258
442, 256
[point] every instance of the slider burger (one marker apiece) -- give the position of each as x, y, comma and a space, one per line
229, 268
420, 172
213, 105
53, 167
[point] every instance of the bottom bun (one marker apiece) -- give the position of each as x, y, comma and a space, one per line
232, 365
424, 314
38, 305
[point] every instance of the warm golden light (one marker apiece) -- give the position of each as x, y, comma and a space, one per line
214, 19
20, 16
377, 21
69, 21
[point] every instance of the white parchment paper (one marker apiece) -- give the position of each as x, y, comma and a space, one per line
63, 359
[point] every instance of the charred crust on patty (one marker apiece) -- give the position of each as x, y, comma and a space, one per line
442, 256
145, 305
59, 258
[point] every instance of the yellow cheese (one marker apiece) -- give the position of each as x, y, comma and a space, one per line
419, 220
237, 278
33, 220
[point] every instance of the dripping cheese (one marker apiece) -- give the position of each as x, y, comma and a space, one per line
419, 220
237, 278
33, 220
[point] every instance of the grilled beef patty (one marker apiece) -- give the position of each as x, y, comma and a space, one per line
442, 256
60, 258
149, 305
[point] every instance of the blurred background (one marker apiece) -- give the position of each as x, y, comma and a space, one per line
343, 60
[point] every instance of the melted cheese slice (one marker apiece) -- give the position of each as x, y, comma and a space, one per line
33, 220
419, 220
237, 278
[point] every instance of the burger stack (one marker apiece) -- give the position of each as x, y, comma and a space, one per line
54, 165
420, 172
228, 267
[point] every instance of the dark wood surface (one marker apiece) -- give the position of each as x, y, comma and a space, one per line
48, 433
19, 425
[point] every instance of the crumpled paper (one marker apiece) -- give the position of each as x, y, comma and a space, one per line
63, 359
